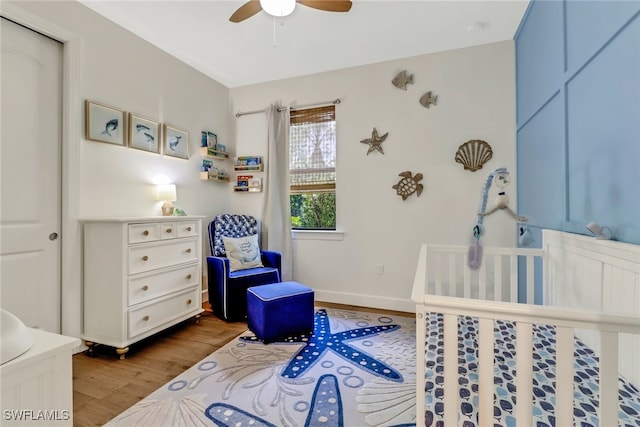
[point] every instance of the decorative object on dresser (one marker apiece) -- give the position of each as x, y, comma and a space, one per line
166, 193
141, 275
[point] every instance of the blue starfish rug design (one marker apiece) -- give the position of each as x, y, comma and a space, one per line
322, 340
355, 369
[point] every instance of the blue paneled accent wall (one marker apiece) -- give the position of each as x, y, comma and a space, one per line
578, 116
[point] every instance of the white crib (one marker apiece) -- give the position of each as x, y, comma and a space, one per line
590, 292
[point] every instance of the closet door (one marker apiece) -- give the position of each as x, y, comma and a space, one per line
30, 174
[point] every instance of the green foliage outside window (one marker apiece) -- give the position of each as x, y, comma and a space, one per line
314, 211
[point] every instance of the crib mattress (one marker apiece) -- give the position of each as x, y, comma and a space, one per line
585, 378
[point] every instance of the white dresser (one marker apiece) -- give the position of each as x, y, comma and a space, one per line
141, 275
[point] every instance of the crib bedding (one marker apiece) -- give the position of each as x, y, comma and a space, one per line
585, 377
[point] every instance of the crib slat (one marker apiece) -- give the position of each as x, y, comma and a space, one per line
452, 276
421, 359
530, 280
467, 277
524, 374
513, 280
497, 284
451, 403
438, 273
482, 281
608, 409
564, 376
485, 372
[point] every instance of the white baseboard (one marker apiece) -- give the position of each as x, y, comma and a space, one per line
359, 300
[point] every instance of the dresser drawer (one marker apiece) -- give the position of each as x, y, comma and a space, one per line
168, 230
162, 254
146, 286
188, 229
147, 317
147, 232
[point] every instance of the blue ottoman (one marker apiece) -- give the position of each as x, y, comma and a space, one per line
280, 310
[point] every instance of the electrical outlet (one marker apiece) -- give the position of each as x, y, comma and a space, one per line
380, 269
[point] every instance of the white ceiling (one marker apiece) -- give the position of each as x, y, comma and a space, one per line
309, 41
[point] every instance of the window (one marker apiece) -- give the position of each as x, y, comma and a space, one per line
312, 168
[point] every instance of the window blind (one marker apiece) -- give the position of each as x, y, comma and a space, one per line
312, 150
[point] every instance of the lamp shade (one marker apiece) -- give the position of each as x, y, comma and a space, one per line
167, 192
278, 7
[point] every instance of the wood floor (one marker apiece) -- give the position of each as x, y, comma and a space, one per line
104, 386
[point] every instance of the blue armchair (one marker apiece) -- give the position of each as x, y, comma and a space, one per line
228, 289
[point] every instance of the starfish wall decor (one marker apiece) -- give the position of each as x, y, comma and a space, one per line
375, 142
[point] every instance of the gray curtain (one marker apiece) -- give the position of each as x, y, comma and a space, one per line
276, 212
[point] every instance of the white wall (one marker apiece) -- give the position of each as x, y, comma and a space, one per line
114, 67
476, 100
475, 87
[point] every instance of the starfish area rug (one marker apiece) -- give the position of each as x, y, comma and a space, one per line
356, 369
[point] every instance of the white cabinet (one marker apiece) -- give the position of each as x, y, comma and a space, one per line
141, 275
37, 386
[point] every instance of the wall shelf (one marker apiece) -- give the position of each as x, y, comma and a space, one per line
206, 177
244, 189
249, 168
214, 154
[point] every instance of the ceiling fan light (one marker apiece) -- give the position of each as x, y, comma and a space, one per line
278, 8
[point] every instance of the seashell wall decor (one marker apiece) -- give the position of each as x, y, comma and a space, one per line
402, 79
428, 99
474, 154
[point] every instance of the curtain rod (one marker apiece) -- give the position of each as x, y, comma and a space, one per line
245, 113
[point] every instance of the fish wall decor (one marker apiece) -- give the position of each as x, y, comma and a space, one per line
402, 79
428, 99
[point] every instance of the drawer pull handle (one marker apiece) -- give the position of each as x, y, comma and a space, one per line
145, 233
188, 302
169, 230
145, 318
188, 276
145, 288
188, 228
189, 250
145, 258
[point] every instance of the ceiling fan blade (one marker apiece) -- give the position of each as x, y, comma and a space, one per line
328, 5
246, 11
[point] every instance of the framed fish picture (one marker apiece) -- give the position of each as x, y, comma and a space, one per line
104, 123
144, 133
176, 142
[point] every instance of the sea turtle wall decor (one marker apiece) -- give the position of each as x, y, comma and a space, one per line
375, 142
402, 79
408, 184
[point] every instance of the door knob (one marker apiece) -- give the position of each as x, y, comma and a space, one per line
53, 236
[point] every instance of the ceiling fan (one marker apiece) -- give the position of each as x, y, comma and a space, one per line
281, 8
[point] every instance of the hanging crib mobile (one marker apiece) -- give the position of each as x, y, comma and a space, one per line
501, 178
